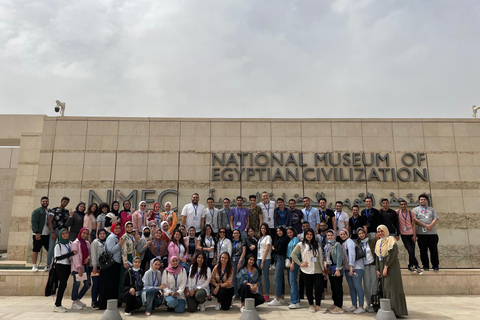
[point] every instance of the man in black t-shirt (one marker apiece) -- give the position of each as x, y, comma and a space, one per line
356, 221
373, 217
297, 216
326, 215
389, 218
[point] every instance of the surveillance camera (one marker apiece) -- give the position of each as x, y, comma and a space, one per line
60, 107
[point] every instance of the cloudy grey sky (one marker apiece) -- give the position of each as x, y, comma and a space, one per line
250, 58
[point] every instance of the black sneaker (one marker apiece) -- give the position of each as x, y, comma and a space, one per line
436, 269
95, 305
412, 269
426, 269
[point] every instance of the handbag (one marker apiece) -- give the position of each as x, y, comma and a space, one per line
375, 300
106, 259
287, 263
52, 281
359, 253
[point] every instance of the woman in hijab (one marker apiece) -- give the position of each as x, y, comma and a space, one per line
153, 227
125, 215
175, 279
109, 285
75, 221
139, 217
80, 268
155, 214
63, 253
142, 245
97, 247
152, 295
170, 216
370, 280
333, 263
353, 272
132, 287
159, 249
388, 271
166, 236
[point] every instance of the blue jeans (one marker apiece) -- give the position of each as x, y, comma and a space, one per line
244, 234
177, 304
279, 275
76, 295
51, 248
186, 266
266, 276
152, 299
95, 288
355, 286
292, 281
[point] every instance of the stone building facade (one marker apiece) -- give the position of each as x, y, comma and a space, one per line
167, 159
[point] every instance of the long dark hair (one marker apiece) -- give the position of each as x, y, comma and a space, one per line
89, 211
181, 241
127, 210
203, 270
116, 212
78, 206
268, 233
203, 235
313, 242
228, 267
284, 232
245, 263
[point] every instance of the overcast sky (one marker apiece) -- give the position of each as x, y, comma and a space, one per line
250, 58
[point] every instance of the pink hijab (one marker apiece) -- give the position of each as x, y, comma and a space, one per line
83, 244
172, 270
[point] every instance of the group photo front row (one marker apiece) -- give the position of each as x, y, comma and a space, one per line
146, 259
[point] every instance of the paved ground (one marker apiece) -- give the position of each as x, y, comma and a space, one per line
420, 307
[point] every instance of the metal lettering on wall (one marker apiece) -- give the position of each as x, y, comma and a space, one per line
329, 166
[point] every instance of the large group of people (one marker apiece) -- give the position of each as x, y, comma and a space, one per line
156, 258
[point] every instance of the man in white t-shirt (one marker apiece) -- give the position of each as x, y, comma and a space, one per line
211, 215
193, 214
268, 207
341, 218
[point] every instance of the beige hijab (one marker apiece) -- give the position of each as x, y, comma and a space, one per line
384, 245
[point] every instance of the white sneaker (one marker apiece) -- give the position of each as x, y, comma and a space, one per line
61, 309
242, 309
47, 268
282, 301
359, 310
76, 306
81, 303
34, 268
351, 309
202, 307
293, 306
128, 313
274, 302
218, 306
298, 305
